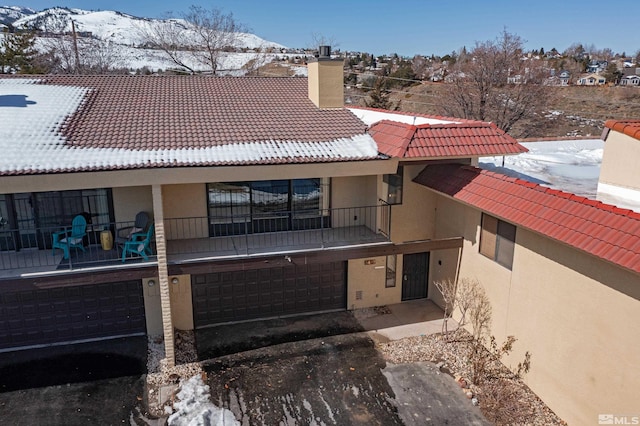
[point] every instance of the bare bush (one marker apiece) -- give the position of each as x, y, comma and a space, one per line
447, 289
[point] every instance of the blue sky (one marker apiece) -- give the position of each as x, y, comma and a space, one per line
410, 26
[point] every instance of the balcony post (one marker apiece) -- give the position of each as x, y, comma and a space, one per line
163, 276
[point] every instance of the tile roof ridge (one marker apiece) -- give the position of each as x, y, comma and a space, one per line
628, 127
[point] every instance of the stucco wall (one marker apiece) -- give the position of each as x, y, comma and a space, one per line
576, 314
353, 191
620, 161
152, 306
185, 210
181, 302
413, 219
127, 202
368, 276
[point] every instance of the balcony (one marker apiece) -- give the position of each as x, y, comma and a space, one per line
24, 252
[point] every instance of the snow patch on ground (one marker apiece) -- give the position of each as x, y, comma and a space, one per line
195, 408
571, 166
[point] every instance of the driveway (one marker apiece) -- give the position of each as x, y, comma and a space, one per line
89, 383
339, 380
320, 369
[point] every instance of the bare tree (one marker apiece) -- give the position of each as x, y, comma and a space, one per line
199, 39
496, 82
318, 39
447, 289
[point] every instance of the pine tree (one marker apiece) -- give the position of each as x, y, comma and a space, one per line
379, 97
18, 53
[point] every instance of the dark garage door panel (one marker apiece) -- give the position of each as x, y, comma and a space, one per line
46, 316
269, 292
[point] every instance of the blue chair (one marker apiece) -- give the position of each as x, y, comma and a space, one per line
70, 238
138, 244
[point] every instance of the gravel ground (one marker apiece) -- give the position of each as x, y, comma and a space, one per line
451, 356
159, 375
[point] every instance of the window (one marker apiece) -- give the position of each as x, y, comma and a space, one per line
497, 240
394, 186
33, 216
267, 206
391, 270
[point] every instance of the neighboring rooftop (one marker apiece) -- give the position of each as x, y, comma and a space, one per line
628, 127
599, 229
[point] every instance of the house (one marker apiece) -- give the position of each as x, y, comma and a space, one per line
595, 67
267, 197
630, 80
591, 80
564, 77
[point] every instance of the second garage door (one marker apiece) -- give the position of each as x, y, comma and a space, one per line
268, 292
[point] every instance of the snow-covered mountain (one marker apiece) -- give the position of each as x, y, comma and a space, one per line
123, 34
106, 25
10, 14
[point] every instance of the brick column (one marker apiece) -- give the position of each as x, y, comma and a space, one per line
163, 276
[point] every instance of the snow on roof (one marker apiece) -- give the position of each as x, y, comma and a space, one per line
32, 140
371, 116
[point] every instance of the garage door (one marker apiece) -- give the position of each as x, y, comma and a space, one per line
65, 314
270, 292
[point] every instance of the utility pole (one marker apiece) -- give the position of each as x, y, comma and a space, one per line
75, 46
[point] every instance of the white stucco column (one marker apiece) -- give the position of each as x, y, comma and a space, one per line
163, 276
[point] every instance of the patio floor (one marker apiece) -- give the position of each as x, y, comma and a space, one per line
34, 261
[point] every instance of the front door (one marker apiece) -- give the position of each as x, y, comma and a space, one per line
415, 275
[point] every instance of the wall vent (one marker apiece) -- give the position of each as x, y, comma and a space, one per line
358, 294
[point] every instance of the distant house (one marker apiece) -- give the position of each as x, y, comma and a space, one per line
597, 66
564, 78
591, 80
630, 80
561, 79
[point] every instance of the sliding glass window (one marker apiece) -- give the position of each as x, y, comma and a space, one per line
267, 206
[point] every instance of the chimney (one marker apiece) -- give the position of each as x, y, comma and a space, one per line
326, 79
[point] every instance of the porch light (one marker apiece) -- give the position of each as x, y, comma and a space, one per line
175, 280
151, 283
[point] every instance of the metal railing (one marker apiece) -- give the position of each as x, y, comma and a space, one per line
31, 248
278, 231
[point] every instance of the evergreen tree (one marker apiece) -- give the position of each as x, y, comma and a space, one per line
18, 54
379, 96
612, 74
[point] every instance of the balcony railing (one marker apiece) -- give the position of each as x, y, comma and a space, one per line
29, 251
275, 232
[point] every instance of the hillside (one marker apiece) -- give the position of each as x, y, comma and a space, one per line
575, 111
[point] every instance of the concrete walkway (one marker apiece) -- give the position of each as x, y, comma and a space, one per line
394, 322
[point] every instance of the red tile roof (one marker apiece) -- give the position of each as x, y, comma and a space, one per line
469, 138
168, 112
599, 229
628, 127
